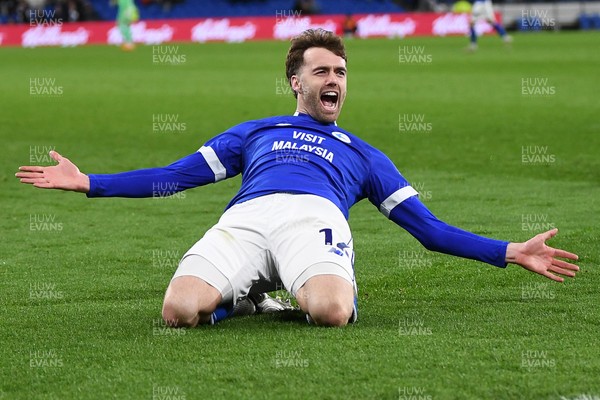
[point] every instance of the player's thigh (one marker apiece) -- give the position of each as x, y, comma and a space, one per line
488, 12
234, 251
312, 232
478, 12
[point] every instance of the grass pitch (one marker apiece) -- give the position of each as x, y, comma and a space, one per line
503, 142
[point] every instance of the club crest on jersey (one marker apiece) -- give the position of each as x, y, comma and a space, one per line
341, 136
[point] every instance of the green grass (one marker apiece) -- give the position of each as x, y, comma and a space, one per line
106, 269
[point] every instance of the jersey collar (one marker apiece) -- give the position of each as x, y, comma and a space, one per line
299, 114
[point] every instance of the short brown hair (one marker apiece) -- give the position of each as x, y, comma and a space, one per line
304, 41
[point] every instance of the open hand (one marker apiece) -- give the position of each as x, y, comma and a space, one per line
65, 175
534, 255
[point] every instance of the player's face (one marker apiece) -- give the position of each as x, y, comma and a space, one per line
321, 84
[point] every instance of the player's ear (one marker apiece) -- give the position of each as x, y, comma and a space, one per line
296, 85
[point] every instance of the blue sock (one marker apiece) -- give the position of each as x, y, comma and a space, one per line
473, 35
354, 316
220, 314
500, 29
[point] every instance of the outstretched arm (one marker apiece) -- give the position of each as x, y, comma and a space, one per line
533, 255
64, 176
188, 172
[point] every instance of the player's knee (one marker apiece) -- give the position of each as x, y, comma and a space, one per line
189, 301
180, 314
334, 313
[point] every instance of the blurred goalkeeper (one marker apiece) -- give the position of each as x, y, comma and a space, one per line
128, 13
287, 225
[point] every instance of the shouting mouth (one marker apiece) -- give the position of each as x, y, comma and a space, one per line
329, 100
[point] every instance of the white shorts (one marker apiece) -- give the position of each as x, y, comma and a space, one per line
482, 10
270, 243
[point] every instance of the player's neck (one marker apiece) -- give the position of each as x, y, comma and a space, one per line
301, 113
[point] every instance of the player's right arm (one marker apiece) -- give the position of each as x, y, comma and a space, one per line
186, 173
197, 169
218, 159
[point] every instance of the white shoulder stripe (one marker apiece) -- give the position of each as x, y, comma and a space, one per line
213, 162
396, 198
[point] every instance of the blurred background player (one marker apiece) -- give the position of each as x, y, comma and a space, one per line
127, 14
462, 7
483, 10
349, 26
306, 7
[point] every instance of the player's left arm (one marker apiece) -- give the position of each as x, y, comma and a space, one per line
534, 255
388, 190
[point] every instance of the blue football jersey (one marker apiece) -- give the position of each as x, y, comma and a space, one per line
297, 154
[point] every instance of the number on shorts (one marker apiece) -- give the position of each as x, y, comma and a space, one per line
328, 235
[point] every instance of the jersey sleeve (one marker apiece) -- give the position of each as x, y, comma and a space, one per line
186, 173
386, 187
219, 158
224, 153
436, 235
389, 191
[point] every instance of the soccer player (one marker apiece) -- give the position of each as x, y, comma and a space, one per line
483, 10
288, 223
127, 14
